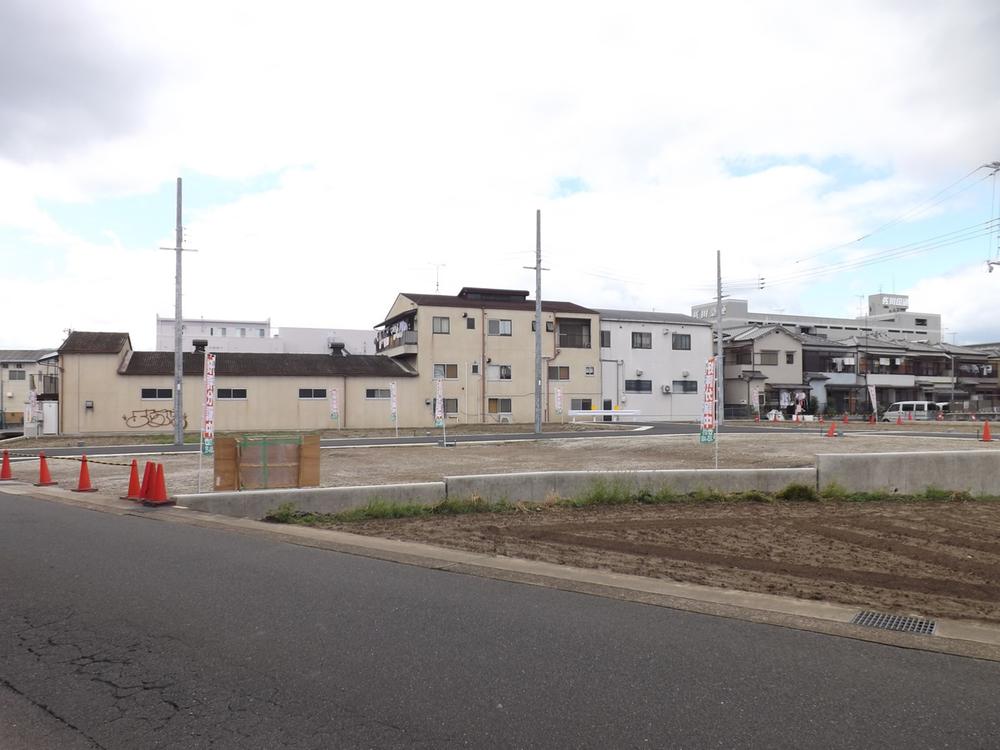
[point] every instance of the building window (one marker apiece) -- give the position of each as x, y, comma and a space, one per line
450, 406
379, 393
260, 333
605, 339
475, 368
574, 334
222, 331
549, 326
470, 323
743, 357
638, 386
682, 341
920, 322
441, 325
789, 358
154, 393
642, 340
498, 405
17, 375
312, 393
243, 332
232, 394
684, 386
446, 372
581, 404
558, 373
498, 372
769, 357
499, 327
588, 370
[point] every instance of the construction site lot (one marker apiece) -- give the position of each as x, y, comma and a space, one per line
932, 558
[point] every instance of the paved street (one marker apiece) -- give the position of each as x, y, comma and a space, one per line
124, 632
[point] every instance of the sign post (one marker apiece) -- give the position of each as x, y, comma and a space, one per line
559, 409
709, 423
439, 419
334, 413
393, 406
871, 395
207, 447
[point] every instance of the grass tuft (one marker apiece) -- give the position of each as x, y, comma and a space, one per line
798, 493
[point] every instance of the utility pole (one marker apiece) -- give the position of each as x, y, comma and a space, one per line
720, 376
178, 327
538, 320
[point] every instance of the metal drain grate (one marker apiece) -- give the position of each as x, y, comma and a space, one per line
894, 622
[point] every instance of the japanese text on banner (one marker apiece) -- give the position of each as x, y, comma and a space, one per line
708, 410
208, 408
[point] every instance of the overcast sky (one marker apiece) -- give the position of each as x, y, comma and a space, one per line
334, 154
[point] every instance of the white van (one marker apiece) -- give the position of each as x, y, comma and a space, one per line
918, 409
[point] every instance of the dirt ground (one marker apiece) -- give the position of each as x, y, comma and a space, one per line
936, 559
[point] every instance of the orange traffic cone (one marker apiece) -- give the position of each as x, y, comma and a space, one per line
986, 433
147, 480
5, 473
158, 496
832, 432
133, 483
909, 416
83, 485
899, 419
44, 478
871, 418
845, 417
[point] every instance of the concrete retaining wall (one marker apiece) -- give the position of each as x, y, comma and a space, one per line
539, 485
977, 472
256, 503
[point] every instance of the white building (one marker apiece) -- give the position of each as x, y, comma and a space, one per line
654, 363
888, 316
259, 336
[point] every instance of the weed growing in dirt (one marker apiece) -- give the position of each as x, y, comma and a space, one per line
797, 493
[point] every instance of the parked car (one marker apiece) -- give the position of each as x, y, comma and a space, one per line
923, 410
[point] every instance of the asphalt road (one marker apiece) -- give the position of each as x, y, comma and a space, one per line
434, 437
125, 632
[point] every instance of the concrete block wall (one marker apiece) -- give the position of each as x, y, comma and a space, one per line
973, 471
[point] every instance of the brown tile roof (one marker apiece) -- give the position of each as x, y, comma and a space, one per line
24, 355
256, 364
446, 300
92, 342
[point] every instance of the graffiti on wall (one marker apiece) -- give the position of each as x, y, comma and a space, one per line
151, 418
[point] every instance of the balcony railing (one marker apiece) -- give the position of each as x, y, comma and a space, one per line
574, 341
392, 340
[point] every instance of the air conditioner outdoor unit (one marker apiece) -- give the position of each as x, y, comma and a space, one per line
504, 420
665, 388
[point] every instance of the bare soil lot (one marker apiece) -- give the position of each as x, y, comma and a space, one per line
928, 558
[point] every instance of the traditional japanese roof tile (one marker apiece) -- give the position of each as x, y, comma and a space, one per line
269, 364
93, 342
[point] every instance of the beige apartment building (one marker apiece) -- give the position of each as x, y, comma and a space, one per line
24, 372
108, 387
481, 344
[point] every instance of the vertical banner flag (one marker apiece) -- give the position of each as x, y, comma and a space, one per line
334, 414
208, 408
871, 395
392, 400
755, 398
558, 400
29, 415
439, 403
708, 411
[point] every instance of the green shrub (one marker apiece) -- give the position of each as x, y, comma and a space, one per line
796, 493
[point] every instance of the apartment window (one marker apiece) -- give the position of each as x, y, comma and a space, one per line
550, 326
222, 331
499, 327
260, 333
379, 393
769, 357
682, 341
475, 368
232, 394
588, 370
558, 373
243, 332
498, 405
470, 323
581, 404
743, 357
684, 386
211, 331
498, 372
450, 406
574, 334
605, 339
920, 322
642, 340
789, 358
17, 375
638, 386
441, 325
446, 372
312, 393
154, 393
